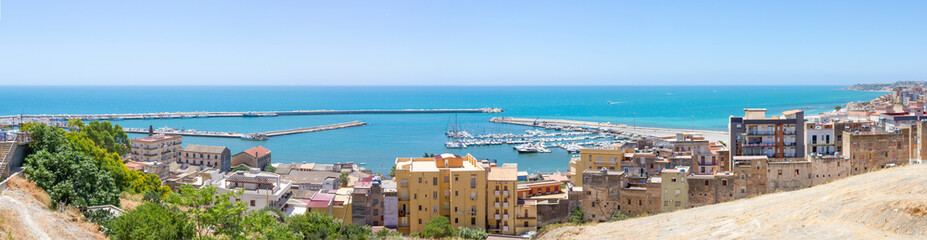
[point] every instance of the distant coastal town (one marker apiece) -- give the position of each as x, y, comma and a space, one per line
616, 171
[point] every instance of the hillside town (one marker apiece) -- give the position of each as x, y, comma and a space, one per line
765, 153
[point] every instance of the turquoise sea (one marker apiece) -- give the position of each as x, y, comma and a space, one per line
410, 135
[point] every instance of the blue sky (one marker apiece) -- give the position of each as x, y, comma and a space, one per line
461, 42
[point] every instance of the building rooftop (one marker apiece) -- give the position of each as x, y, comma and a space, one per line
204, 149
502, 174
257, 152
157, 138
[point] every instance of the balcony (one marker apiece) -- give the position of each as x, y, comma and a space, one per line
791, 144
761, 133
505, 216
521, 216
496, 192
505, 205
505, 193
760, 144
497, 217
788, 132
497, 205
402, 213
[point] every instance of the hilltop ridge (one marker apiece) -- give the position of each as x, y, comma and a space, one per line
885, 87
886, 204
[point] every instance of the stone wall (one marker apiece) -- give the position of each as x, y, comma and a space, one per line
787, 176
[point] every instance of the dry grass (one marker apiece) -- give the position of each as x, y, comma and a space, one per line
886, 203
130, 201
11, 226
21, 184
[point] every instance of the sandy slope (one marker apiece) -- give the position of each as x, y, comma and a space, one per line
26, 217
887, 204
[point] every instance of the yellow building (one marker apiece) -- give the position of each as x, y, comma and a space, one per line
502, 200
596, 158
526, 216
445, 185
675, 188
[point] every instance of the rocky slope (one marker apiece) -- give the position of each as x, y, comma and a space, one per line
887, 204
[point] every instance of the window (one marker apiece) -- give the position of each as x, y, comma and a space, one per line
415, 196
472, 182
706, 182
419, 207
434, 208
456, 220
376, 212
434, 181
456, 193
375, 201
472, 195
252, 203
473, 221
419, 221
434, 195
419, 180
724, 182
447, 179
780, 172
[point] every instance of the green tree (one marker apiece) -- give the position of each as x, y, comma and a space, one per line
314, 225
70, 178
438, 227
265, 225
211, 210
387, 234
837, 108
617, 216
152, 221
343, 178
472, 233
392, 172
108, 136
576, 216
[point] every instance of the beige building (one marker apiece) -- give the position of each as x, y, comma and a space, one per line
156, 148
675, 189
502, 191
596, 158
207, 156
875, 149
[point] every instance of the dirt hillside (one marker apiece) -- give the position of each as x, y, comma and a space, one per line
24, 214
887, 204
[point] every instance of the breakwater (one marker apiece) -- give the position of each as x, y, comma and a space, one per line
247, 136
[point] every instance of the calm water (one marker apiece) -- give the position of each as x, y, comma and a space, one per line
408, 135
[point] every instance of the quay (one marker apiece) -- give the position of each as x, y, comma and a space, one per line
561, 124
248, 136
16, 119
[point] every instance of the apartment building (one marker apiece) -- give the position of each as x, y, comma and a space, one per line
820, 139
502, 202
156, 148
207, 156
675, 188
597, 158
260, 189
445, 185
875, 149
754, 134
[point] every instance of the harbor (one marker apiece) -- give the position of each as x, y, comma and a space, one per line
17, 119
607, 127
261, 136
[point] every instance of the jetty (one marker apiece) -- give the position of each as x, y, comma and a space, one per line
16, 119
247, 136
572, 125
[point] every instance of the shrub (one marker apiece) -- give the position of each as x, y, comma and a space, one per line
471, 233
439, 227
576, 216
152, 221
617, 216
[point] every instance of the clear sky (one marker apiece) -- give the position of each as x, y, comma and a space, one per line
461, 42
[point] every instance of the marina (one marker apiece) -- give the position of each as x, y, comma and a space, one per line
261, 136
17, 119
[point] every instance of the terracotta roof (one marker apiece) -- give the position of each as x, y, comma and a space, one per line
257, 151
156, 137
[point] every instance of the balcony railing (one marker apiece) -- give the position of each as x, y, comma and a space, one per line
497, 205
505, 205
707, 163
496, 192
505, 216
505, 193
497, 217
761, 133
